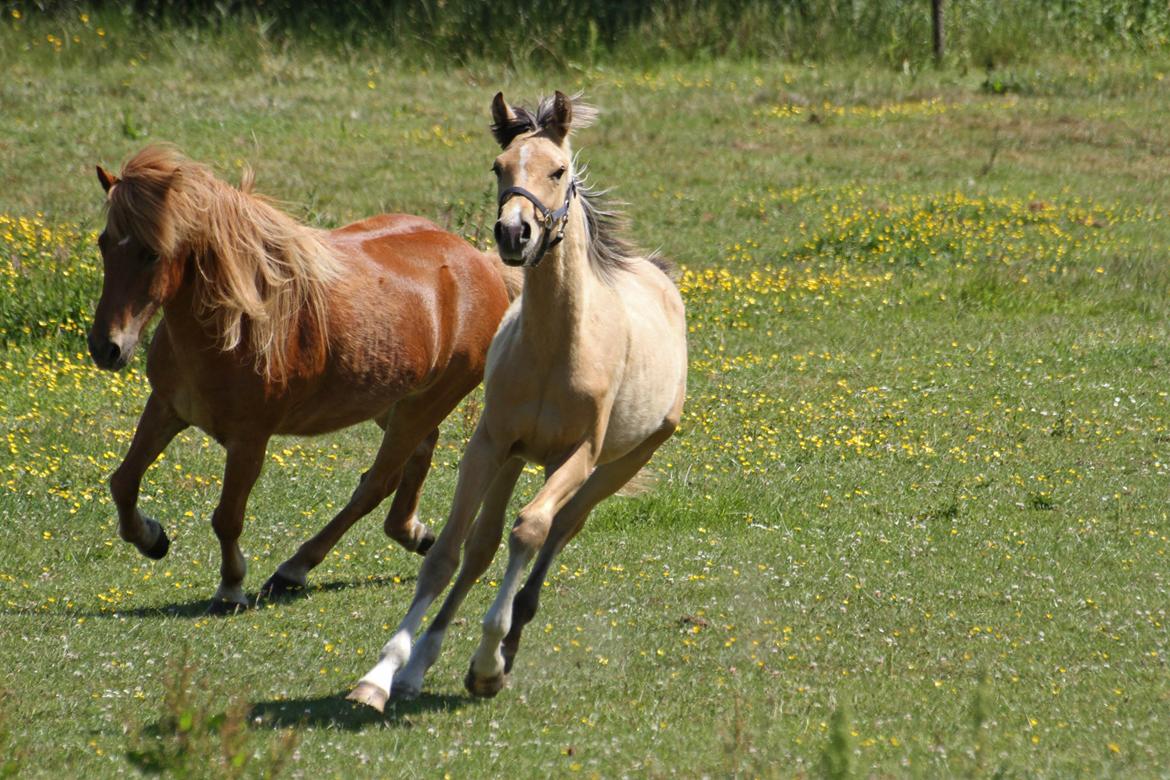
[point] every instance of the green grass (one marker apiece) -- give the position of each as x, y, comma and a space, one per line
914, 522
579, 34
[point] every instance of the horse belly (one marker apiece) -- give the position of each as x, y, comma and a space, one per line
652, 381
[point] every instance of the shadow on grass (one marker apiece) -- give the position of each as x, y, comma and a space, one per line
337, 712
298, 594
200, 608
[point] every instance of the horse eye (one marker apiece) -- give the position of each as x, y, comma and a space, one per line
558, 173
496, 169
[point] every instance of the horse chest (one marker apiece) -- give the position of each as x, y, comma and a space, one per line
542, 418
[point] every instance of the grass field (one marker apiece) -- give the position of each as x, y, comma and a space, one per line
914, 524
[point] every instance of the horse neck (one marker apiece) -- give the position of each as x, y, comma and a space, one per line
184, 315
556, 293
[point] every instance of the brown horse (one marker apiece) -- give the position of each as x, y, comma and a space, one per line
586, 377
272, 327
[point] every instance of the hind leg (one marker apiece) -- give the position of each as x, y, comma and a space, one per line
605, 481
156, 428
402, 523
404, 449
406, 434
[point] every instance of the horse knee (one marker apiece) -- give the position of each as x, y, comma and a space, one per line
529, 533
439, 565
426, 447
227, 526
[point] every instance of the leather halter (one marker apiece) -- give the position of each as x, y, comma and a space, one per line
549, 219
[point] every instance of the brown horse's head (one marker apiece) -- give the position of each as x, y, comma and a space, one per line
534, 174
141, 272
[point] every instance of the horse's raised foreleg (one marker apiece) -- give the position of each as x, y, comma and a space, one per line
477, 471
478, 552
156, 428
605, 480
403, 459
486, 675
245, 460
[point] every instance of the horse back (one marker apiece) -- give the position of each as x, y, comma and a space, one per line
417, 297
383, 225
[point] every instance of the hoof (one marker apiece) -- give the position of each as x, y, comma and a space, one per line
425, 543
224, 608
279, 586
484, 687
369, 695
404, 692
161, 546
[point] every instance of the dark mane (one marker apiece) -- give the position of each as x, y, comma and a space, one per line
605, 224
526, 120
523, 121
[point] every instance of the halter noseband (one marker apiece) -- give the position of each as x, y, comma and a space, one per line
549, 219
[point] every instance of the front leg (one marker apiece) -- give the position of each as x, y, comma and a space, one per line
478, 553
245, 459
477, 470
158, 425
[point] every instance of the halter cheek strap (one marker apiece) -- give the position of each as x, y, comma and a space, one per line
550, 220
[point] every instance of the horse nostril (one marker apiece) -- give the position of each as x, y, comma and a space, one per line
499, 232
112, 353
525, 233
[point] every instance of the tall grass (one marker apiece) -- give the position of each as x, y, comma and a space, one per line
980, 33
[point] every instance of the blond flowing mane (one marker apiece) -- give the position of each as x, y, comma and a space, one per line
262, 276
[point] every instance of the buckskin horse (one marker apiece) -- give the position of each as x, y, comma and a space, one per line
586, 378
273, 327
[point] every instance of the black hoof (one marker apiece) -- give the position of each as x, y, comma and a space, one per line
279, 586
225, 608
485, 688
161, 546
426, 542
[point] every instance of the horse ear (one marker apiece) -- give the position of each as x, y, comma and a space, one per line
561, 120
504, 121
106, 178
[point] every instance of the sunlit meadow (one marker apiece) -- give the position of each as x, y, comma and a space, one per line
915, 518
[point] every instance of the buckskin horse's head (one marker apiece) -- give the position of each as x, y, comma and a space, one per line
534, 175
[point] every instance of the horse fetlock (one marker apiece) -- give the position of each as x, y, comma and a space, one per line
425, 542
413, 536
397, 651
151, 540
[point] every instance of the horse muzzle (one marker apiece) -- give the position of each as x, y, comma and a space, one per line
111, 353
514, 241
